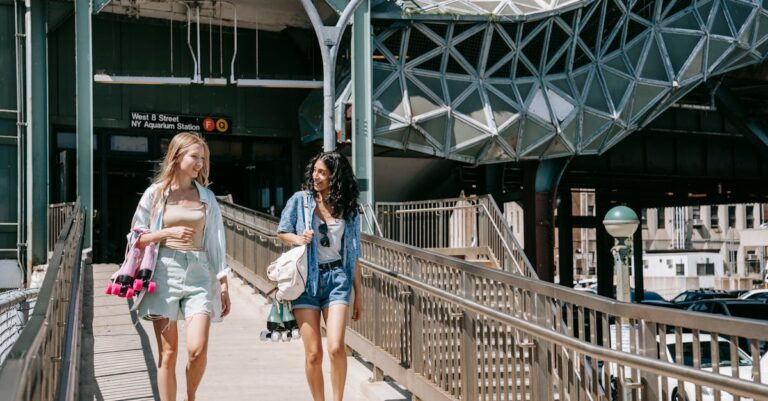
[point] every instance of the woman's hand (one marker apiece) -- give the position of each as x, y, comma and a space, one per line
226, 304
180, 233
357, 306
306, 237
292, 239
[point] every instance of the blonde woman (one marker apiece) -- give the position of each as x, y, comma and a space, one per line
180, 214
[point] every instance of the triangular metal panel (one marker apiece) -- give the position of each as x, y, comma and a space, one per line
472, 151
695, 66
473, 107
739, 13
435, 128
557, 148
654, 67
421, 102
595, 96
686, 20
704, 9
680, 47
718, 51
464, 131
617, 86
592, 125
391, 100
511, 134
570, 132
612, 137
501, 109
719, 24
532, 135
494, 152
634, 53
456, 88
644, 98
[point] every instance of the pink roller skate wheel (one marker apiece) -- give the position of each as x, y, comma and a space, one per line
129, 293
115, 289
109, 289
151, 287
137, 285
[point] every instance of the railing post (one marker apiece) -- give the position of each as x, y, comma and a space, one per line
378, 373
649, 347
417, 323
377, 299
468, 345
542, 386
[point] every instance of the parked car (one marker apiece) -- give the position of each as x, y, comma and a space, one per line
649, 297
688, 392
688, 297
756, 295
741, 308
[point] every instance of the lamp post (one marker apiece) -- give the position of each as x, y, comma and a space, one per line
621, 222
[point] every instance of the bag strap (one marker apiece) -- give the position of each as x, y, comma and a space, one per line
307, 220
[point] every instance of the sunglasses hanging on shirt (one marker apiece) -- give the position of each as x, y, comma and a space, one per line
324, 240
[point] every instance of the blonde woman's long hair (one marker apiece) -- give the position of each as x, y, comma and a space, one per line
176, 150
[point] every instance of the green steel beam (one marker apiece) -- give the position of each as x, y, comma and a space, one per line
84, 83
362, 140
736, 113
99, 5
37, 133
549, 172
337, 5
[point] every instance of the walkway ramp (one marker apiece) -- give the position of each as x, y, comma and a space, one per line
118, 356
451, 330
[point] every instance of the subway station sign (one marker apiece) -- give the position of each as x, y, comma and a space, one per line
176, 122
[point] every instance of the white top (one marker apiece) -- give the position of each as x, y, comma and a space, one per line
331, 253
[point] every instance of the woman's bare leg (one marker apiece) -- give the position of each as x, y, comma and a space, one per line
309, 327
167, 336
198, 329
335, 325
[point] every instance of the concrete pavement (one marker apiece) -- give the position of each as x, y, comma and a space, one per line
119, 353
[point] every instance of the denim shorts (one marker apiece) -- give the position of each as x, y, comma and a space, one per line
333, 287
185, 286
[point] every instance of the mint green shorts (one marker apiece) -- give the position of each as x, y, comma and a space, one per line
185, 286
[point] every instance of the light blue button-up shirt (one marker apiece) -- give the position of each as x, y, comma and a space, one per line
214, 236
292, 221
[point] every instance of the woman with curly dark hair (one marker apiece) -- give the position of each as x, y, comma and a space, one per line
331, 260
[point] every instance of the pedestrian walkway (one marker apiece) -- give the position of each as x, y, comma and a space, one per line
119, 353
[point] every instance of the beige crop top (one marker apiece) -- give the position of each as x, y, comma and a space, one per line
193, 217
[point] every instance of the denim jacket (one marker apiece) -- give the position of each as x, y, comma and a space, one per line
292, 221
214, 238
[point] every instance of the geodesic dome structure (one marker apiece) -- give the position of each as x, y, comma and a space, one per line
503, 80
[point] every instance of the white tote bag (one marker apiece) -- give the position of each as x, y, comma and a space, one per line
289, 271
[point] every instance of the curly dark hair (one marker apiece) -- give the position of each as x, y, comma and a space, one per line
343, 189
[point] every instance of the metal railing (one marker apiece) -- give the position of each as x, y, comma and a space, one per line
252, 242
42, 364
467, 222
452, 330
58, 213
15, 308
370, 223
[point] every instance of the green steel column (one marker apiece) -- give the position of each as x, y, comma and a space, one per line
362, 86
84, 82
37, 133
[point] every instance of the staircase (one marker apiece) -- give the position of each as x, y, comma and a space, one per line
470, 228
